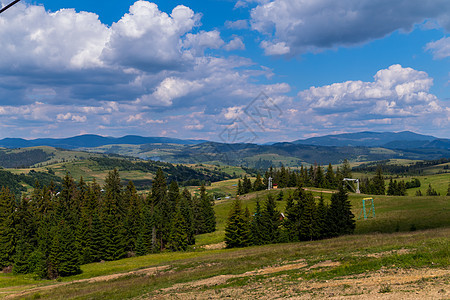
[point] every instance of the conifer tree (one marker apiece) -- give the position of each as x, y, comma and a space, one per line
258, 185
132, 219
186, 208
113, 217
319, 177
346, 169
271, 221
178, 240
291, 221
256, 226
378, 182
207, 212
308, 228
342, 220
7, 230
321, 220
97, 241
236, 230
330, 180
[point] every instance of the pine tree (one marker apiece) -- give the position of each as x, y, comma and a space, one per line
256, 226
342, 220
330, 180
308, 228
236, 230
132, 219
240, 190
158, 203
186, 208
271, 221
291, 221
207, 212
346, 169
319, 177
258, 185
378, 182
321, 220
7, 230
113, 217
178, 240
97, 251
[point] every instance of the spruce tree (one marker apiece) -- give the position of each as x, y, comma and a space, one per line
346, 169
330, 180
271, 221
256, 226
258, 185
132, 219
7, 230
236, 230
178, 240
291, 221
321, 219
378, 182
207, 211
308, 228
342, 220
186, 208
113, 217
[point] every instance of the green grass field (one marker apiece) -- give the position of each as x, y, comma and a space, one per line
353, 255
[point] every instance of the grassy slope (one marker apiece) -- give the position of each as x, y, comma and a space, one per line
420, 249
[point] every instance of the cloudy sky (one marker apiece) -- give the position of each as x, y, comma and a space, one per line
224, 70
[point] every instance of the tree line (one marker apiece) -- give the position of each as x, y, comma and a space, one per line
283, 177
52, 233
305, 219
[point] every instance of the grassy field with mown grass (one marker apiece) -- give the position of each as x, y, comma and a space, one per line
352, 255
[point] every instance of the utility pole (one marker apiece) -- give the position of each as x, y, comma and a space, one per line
8, 6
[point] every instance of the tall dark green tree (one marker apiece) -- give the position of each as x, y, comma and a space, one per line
7, 230
237, 233
330, 180
257, 226
178, 239
258, 185
186, 208
113, 217
342, 220
271, 221
378, 182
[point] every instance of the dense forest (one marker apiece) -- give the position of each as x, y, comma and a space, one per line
52, 233
416, 168
23, 159
182, 174
283, 177
15, 182
304, 220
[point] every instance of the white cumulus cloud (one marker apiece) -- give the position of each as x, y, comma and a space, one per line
395, 92
314, 25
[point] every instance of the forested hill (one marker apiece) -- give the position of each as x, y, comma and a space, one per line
92, 140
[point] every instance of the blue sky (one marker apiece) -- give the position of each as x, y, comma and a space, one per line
193, 69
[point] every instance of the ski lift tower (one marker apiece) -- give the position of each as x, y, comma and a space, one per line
346, 180
269, 184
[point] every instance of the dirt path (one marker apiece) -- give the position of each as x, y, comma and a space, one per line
383, 284
10, 294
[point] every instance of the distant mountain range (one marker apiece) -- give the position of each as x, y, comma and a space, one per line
92, 140
361, 146
390, 140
